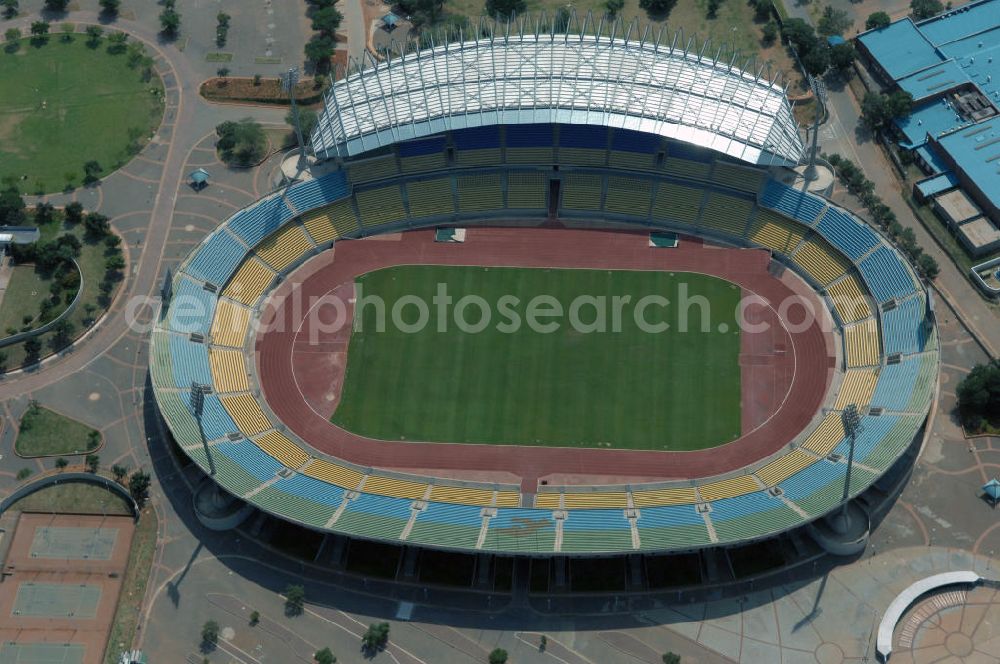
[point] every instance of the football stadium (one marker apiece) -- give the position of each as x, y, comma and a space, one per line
568, 170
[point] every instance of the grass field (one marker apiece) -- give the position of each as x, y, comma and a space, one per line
627, 389
74, 498
65, 104
50, 433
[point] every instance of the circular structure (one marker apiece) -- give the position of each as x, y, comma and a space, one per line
66, 104
248, 361
958, 625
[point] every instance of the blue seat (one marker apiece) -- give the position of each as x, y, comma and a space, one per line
189, 361
815, 476
633, 141
251, 458
217, 259
191, 307
791, 202
476, 138
904, 328
583, 136
215, 421
311, 488
851, 236
454, 515
369, 503
421, 147
256, 222
529, 136
317, 193
872, 431
669, 515
895, 384
886, 275
595, 519
726, 509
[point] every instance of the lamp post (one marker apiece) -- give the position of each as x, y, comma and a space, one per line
819, 92
852, 422
197, 403
288, 82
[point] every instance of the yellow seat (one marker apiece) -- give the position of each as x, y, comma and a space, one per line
230, 325
581, 192
508, 499
784, 467
728, 488
609, 499
632, 196
283, 449
390, 486
671, 496
677, 203
827, 435
460, 495
344, 477
820, 261
246, 412
430, 198
728, 214
848, 300
229, 370
857, 388
861, 340
380, 206
479, 193
526, 191
775, 232
249, 282
283, 247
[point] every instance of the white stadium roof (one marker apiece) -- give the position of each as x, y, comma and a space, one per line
647, 86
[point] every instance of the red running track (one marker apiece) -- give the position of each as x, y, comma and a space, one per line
300, 358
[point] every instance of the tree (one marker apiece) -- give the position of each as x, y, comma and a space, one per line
56, 5
498, 656
505, 8
92, 170
375, 638
96, 225
13, 38
222, 72
877, 20
307, 118
138, 487
560, 21
32, 349
327, 20
93, 462
712, 9
657, 8
241, 143
324, 656
817, 60
40, 31
117, 42
671, 658
979, 395
319, 50
61, 463
110, 7
928, 266
833, 22
94, 33
170, 21
62, 333
878, 109
113, 265
23, 474
769, 33
73, 213
922, 9
613, 7
842, 57
254, 618
12, 206
761, 10
68, 29
209, 635
295, 600
43, 213
119, 472
10, 8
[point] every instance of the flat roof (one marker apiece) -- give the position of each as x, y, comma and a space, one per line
937, 184
976, 151
966, 20
980, 232
932, 159
933, 81
932, 117
958, 205
901, 48
978, 56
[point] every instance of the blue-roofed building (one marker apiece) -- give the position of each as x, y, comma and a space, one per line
950, 64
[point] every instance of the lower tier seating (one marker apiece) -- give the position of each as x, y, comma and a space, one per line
727, 214
857, 388
479, 193
380, 206
331, 222
229, 370
861, 341
631, 196
284, 451
247, 414
283, 247
677, 203
231, 324
250, 282
775, 232
783, 467
820, 261
850, 303
430, 198
581, 192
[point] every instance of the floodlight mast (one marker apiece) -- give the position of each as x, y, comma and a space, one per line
197, 406
851, 421
288, 82
819, 92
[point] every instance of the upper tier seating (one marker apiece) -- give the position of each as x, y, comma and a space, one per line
847, 234
250, 457
215, 421
727, 214
374, 168
521, 529
312, 489
791, 202
826, 436
861, 340
886, 275
904, 327
857, 388
191, 307
596, 530
738, 177
282, 449
246, 412
216, 259
457, 525
775, 232
422, 155
783, 467
895, 384
529, 144
315, 193
254, 223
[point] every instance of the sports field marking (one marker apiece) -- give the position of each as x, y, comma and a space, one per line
625, 389
56, 600
42, 653
72, 543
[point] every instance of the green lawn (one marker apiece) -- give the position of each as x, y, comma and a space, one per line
64, 104
626, 389
24, 291
74, 498
48, 432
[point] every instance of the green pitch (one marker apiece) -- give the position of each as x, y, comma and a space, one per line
630, 388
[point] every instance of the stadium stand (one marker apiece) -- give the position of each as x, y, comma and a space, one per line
246, 413
791, 202
629, 196
896, 384
454, 523
191, 307
293, 507
581, 192
390, 486
668, 496
750, 515
461, 495
383, 205
378, 517
826, 436
369, 170
820, 261
728, 488
526, 191
231, 324
848, 300
333, 473
189, 362
249, 282
847, 234
217, 258
727, 214
284, 247
738, 177
784, 467
529, 144
430, 198
316, 193
904, 328
857, 388
229, 371
309, 488
775, 232
677, 203
255, 223
479, 146
596, 530
885, 274
521, 530
861, 340
284, 451
691, 170
422, 155
479, 193
671, 527
331, 222
215, 421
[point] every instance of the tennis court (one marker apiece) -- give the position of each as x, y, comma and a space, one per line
41, 653
56, 600
73, 543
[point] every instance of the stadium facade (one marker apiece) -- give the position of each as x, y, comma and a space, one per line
493, 124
